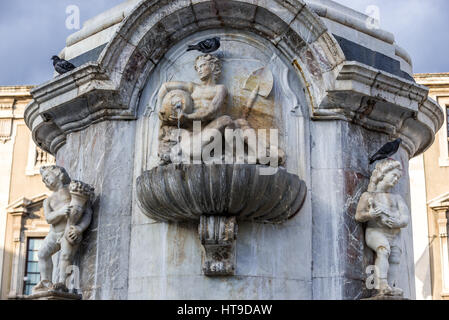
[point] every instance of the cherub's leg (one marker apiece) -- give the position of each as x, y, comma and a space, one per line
66, 259
393, 275
382, 256
377, 241
49, 247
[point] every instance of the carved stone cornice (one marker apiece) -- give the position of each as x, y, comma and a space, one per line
110, 89
382, 102
70, 103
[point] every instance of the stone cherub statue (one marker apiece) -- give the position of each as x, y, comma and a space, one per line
182, 103
386, 214
69, 213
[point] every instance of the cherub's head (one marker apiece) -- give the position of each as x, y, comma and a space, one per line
385, 176
208, 65
54, 177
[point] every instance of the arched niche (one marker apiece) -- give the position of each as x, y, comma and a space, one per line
242, 53
110, 88
286, 109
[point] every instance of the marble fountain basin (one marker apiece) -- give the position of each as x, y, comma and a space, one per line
185, 192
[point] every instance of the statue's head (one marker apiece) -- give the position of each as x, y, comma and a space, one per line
208, 66
54, 177
385, 176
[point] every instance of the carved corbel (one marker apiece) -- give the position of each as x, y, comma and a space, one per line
218, 237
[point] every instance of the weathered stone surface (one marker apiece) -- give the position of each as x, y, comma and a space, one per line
92, 156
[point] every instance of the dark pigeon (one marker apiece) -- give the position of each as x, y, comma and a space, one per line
62, 66
206, 46
386, 151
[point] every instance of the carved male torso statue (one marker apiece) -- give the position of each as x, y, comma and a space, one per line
206, 104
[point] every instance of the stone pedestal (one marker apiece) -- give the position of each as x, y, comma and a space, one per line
51, 295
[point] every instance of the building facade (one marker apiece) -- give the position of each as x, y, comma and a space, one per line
429, 176
22, 225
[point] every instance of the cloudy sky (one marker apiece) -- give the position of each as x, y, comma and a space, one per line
32, 31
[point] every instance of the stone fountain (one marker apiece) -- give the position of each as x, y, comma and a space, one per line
271, 133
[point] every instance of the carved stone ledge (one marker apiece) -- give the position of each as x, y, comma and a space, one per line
385, 103
71, 102
218, 235
50, 295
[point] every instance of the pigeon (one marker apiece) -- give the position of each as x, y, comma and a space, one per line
206, 46
62, 66
386, 151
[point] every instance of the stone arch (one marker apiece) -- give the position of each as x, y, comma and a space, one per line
110, 88
154, 26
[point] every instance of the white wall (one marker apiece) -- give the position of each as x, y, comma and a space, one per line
420, 229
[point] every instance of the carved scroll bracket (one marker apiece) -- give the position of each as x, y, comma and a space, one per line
218, 236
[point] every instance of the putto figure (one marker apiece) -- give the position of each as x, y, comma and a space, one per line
69, 213
386, 214
180, 104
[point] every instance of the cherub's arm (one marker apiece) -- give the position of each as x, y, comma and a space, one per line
54, 216
404, 219
363, 209
216, 104
85, 219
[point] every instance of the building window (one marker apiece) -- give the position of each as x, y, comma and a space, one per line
32, 275
37, 158
43, 158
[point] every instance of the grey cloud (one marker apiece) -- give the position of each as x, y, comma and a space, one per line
419, 26
31, 31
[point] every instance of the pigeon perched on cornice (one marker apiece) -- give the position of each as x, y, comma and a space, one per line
386, 151
62, 66
206, 46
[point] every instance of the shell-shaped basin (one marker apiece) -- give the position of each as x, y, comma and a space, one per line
188, 191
